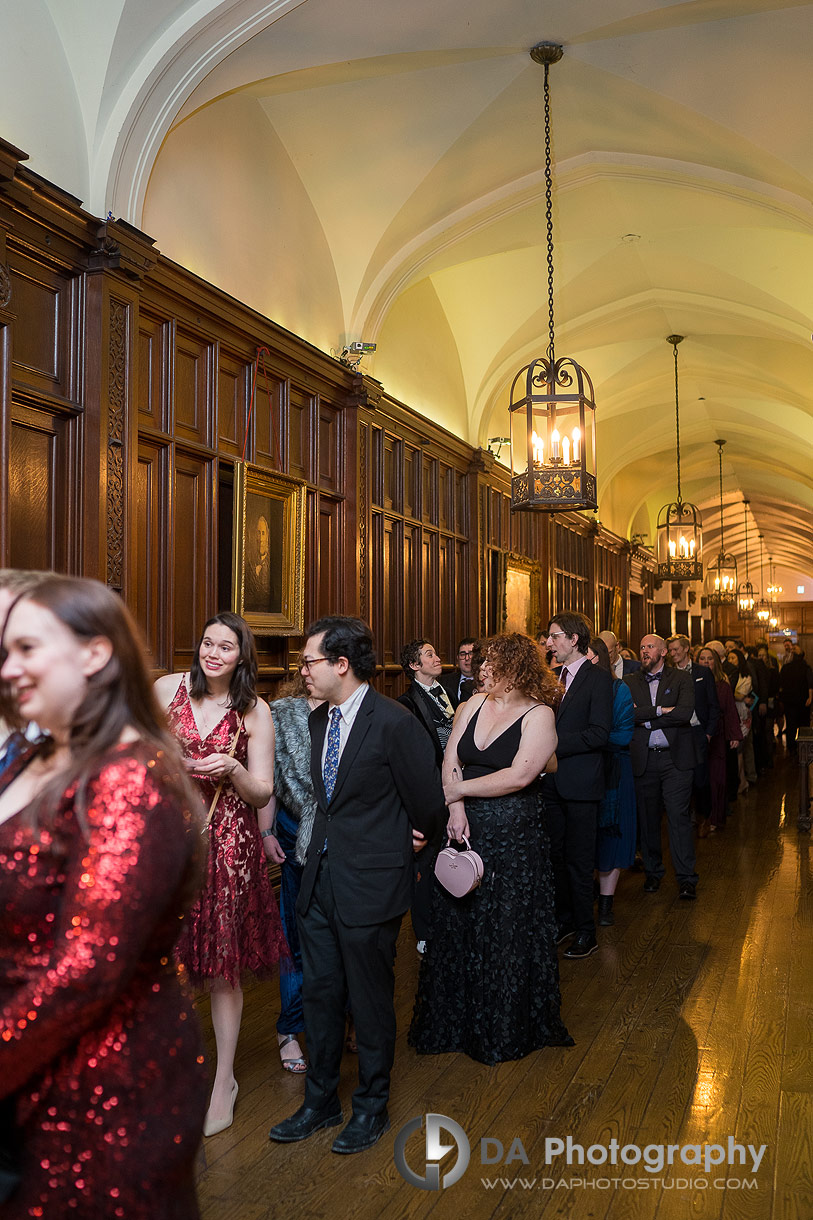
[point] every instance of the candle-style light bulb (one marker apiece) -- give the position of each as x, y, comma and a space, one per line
576, 434
565, 451
555, 451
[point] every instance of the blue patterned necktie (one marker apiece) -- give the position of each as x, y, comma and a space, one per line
332, 756
654, 677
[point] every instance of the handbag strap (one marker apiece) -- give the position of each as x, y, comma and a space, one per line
219, 788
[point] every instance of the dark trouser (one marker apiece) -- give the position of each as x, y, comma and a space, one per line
572, 828
338, 961
797, 716
664, 784
423, 866
291, 1019
701, 784
717, 777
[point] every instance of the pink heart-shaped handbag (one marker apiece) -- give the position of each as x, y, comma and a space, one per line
459, 872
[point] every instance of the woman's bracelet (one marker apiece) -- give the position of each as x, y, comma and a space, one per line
265, 833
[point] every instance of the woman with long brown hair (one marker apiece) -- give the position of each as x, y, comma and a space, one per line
227, 737
489, 982
100, 857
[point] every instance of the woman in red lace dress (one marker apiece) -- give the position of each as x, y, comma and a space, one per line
101, 1058
227, 737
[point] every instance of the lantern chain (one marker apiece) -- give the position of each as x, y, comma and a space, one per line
549, 218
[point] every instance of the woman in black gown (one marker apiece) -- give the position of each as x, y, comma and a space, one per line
489, 983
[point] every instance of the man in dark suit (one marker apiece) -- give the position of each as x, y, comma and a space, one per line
704, 722
619, 665
459, 684
583, 721
378, 794
426, 698
664, 757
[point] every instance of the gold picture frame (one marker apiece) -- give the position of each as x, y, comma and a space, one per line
521, 594
268, 550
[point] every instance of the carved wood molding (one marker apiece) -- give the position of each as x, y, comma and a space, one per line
363, 496
116, 422
5, 286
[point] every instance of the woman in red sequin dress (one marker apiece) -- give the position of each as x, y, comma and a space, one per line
101, 1060
226, 734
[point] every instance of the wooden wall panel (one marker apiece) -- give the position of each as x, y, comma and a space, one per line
331, 448
269, 395
430, 589
42, 300
40, 499
328, 580
153, 408
193, 389
194, 550
300, 458
127, 370
412, 482
233, 389
151, 549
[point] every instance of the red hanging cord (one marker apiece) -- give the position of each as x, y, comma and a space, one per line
262, 352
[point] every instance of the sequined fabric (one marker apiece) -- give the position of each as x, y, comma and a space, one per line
234, 926
98, 1040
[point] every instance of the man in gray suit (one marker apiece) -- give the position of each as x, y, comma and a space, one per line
663, 758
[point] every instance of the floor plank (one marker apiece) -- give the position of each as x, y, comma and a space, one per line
693, 1023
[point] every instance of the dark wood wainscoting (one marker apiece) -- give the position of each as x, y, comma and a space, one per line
126, 390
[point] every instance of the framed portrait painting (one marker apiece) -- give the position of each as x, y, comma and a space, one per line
522, 594
268, 550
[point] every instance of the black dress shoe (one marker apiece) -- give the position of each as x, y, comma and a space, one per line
652, 884
564, 933
303, 1124
362, 1132
688, 890
583, 945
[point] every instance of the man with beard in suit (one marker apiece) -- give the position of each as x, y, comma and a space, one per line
378, 795
664, 757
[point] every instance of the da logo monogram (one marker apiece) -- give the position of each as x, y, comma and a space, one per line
435, 1152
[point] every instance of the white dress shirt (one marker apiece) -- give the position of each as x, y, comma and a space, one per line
572, 668
349, 711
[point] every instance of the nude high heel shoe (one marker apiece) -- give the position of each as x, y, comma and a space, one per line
215, 1126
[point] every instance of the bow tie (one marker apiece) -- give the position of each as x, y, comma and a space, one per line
654, 677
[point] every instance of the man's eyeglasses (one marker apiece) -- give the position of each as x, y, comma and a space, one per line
466, 652
309, 662
554, 634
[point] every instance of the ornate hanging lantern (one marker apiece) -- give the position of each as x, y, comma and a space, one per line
552, 412
680, 538
763, 608
746, 602
721, 576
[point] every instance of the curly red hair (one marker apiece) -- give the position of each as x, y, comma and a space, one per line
519, 659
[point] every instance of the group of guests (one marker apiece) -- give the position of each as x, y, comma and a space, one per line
136, 823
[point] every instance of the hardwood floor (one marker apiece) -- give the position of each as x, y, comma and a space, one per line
693, 1023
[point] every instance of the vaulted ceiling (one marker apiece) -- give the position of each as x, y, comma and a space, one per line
375, 173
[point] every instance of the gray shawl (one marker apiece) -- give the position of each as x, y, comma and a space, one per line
292, 766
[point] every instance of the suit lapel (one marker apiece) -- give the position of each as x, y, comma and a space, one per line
317, 722
361, 725
578, 677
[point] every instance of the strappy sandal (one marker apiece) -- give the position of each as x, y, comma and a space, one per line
298, 1064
